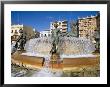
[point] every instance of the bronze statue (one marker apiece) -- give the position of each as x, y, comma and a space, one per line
55, 38
20, 43
22, 40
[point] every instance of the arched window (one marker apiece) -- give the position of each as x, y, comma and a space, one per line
11, 37
11, 31
45, 35
16, 31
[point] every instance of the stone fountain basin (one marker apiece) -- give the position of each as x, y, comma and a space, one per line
27, 61
36, 62
70, 62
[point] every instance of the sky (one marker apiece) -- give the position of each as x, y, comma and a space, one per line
40, 20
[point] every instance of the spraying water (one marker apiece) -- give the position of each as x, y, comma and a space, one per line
70, 47
46, 71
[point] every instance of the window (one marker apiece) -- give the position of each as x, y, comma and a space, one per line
45, 35
59, 23
64, 29
20, 31
11, 37
16, 32
11, 31
89, 19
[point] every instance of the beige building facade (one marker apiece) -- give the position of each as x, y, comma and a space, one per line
15, 32
87, 27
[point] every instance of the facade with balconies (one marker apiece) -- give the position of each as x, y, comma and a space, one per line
89, 27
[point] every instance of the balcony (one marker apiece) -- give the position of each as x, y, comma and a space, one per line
64, 26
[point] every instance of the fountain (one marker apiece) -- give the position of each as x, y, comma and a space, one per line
64, 46
59, 46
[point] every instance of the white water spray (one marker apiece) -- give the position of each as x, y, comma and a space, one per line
46, 71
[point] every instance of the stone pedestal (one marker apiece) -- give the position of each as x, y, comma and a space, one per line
55, 57
55, 61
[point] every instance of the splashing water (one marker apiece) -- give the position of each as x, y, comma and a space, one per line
38, 47
45, 71
70, 47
